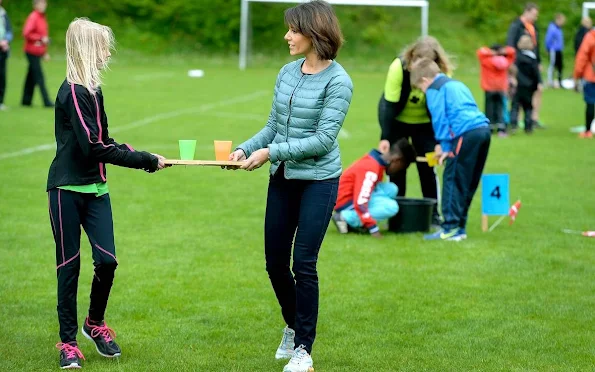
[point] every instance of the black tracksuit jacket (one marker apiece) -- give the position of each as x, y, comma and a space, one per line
83, 142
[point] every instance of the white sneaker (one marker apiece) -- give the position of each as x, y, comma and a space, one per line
3, 107
301, 361
285, 349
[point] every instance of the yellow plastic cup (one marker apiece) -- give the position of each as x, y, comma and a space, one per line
187, 149
222, 150
432, 161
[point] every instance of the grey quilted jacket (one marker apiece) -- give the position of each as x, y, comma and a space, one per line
308, 112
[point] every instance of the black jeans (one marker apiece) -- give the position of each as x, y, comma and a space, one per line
494, 108
302, 210
524, 99
462, 175
34, 77
68, 211
3, 59
423, 140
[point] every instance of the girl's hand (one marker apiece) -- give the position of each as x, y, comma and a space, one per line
237, 155
257, 159
160, 163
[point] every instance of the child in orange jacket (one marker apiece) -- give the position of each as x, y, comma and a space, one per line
583, 69
495, 62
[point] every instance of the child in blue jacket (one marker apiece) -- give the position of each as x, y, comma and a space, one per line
463, 135
554, 44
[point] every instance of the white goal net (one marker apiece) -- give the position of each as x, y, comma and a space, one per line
245, 16
586, 8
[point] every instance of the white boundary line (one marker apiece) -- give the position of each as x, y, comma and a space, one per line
159, 75
195, 110
148, 120
28, 150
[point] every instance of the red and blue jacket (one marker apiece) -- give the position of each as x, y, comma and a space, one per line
357, 184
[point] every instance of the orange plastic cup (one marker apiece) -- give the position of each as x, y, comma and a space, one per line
222, 150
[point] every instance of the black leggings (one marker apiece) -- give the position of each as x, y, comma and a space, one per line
68, 212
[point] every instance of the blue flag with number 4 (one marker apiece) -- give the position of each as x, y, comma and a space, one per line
495, 194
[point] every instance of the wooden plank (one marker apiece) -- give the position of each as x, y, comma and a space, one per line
219, 163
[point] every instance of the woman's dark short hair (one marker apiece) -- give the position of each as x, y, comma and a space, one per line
318, 21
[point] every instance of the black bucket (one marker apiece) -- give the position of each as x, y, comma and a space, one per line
415, 215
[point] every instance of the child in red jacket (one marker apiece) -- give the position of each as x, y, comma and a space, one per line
35, 32
363, 198
495, 62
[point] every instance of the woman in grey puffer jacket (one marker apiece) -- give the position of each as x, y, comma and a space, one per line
311, 99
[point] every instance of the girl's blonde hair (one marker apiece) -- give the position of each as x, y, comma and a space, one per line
428, 47
87, 47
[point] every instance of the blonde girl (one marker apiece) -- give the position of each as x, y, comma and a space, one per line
77, 188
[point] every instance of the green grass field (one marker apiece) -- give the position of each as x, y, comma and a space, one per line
191, 292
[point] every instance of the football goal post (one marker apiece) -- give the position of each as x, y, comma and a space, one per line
586, 8
245, 16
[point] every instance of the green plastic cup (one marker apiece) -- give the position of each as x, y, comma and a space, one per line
187, 149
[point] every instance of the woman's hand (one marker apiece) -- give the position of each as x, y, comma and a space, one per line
237, 155
384, 146
257, 159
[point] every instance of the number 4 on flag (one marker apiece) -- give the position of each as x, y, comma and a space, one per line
496, 192
495, 198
